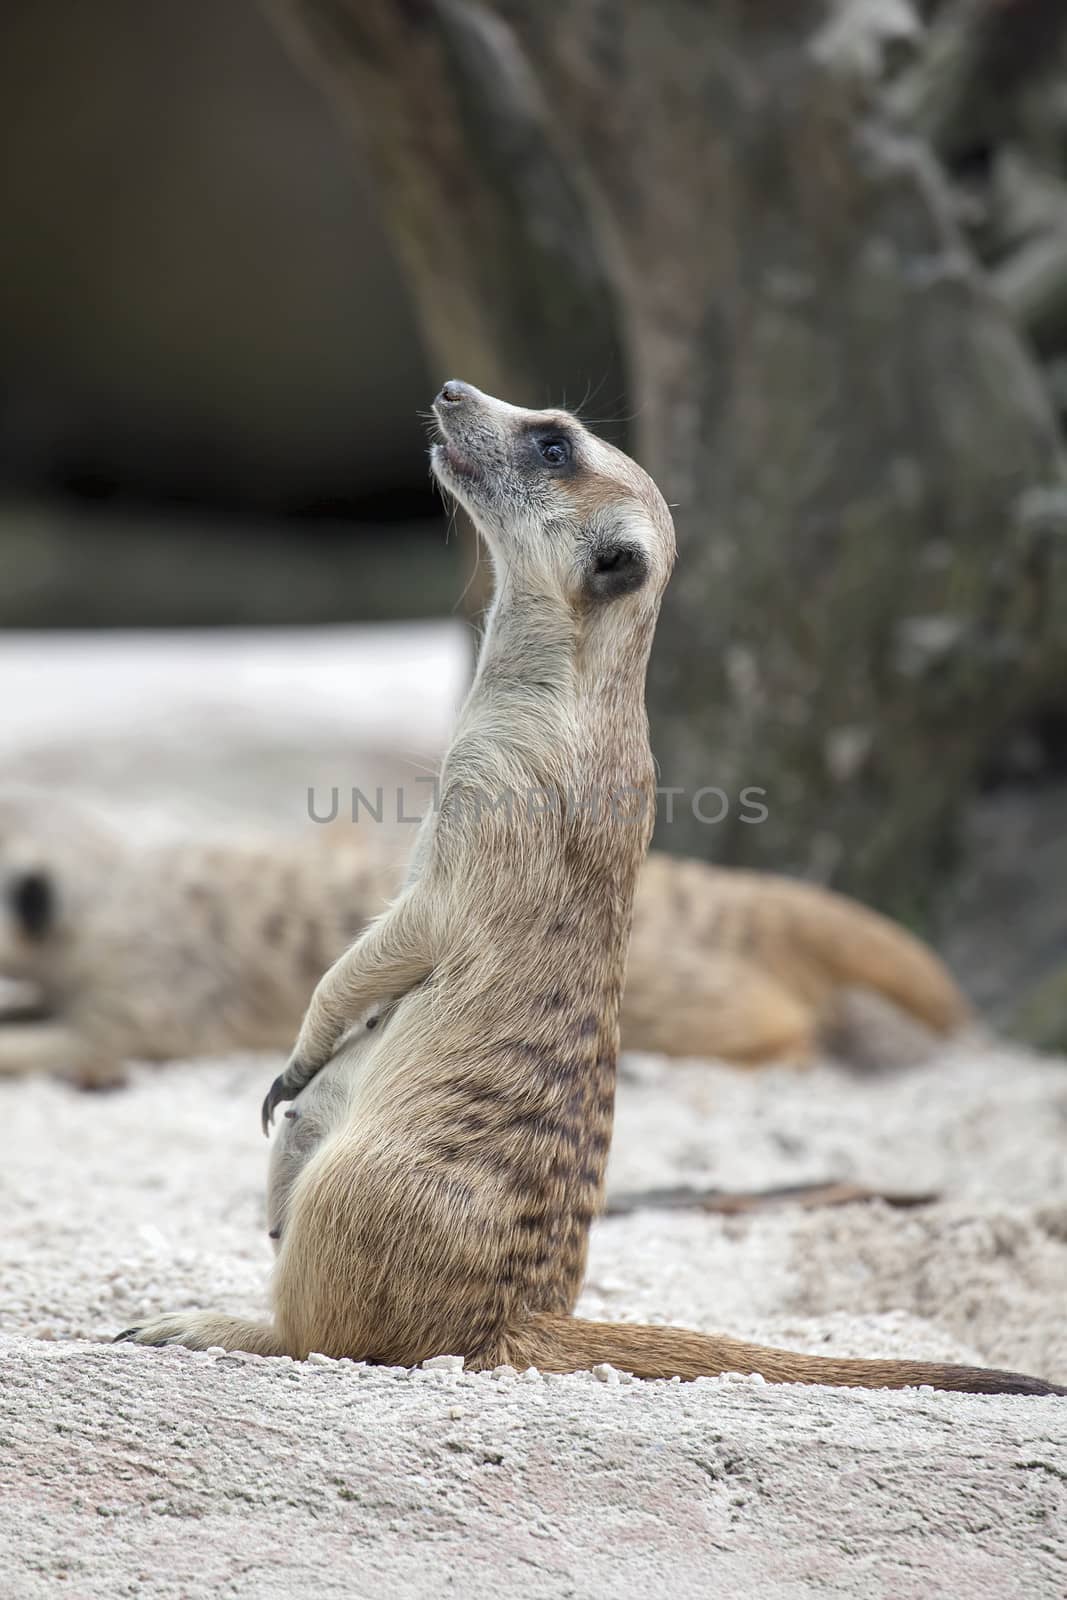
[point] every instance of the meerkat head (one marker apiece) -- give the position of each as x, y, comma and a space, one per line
29, 915
555, 505
53, 853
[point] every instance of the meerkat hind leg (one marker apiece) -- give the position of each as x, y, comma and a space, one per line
204, 1330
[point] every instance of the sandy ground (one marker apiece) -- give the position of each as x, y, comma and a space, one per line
199, 1475
126, 1471
229, 725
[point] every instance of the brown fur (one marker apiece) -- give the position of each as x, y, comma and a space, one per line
444, 1200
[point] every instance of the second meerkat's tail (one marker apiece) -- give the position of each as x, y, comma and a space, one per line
848, 944
567, 1344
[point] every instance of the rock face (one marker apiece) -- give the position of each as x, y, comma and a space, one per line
1016, 866
126, 1469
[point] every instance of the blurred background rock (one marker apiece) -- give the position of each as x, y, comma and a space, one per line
208, 364
807, 258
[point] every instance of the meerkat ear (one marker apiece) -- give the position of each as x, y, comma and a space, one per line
616, 567
32, 897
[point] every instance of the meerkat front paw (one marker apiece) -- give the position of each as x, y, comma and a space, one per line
286, 1086
306, 1062
312, 1051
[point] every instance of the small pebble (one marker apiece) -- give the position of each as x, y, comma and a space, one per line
443, 1364
153, 1236
504, 1372
531, 1375
606, 1373
454, 1413
317, 1359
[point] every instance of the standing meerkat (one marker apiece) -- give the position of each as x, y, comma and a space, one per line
155, 949
452, 1159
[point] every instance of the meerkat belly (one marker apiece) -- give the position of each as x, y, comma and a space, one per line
314, 1116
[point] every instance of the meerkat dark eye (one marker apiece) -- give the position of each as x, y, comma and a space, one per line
616, 569
33, 903
554, 450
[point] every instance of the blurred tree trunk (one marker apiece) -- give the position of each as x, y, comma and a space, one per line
493, 235
866, 472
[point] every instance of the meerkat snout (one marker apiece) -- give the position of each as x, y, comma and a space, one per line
453, 392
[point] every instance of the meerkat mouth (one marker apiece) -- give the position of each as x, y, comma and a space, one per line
456, 462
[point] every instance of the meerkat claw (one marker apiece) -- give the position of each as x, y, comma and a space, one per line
127, 1333
278, 1091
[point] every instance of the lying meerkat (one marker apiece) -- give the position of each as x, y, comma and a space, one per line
163, 949
195, 947
454, 1078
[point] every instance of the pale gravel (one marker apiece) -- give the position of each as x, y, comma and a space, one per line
125, 1471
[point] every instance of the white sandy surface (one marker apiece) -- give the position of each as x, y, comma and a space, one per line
126, 1471
230, 725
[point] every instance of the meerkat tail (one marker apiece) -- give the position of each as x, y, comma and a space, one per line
567, 1344
856, 947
